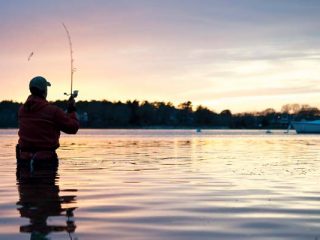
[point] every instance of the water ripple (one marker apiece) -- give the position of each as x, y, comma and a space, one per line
166, 184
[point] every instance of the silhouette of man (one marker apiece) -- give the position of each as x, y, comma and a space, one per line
40, 124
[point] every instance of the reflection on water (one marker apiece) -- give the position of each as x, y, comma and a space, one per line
153, 184
39, 200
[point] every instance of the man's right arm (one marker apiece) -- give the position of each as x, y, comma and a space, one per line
66, 122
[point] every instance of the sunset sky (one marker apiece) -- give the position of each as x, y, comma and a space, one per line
243, 55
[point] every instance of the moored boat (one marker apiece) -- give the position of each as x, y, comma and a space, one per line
307, 126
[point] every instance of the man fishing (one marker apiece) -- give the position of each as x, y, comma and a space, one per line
40, 124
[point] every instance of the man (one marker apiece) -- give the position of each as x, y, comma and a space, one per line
40, 124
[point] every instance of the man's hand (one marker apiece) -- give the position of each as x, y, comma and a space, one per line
71, 105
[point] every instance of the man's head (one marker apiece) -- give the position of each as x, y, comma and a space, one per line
39, 86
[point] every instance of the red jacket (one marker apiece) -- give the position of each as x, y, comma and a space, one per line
40, 124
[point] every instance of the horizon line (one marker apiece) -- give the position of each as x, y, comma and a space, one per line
173, 104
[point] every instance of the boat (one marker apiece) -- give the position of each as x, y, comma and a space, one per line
307, 126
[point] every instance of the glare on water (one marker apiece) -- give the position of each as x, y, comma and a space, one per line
166, 184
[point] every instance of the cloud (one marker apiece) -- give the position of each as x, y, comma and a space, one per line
172, 50
260, 93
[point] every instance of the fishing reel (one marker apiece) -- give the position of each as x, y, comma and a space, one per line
74, 94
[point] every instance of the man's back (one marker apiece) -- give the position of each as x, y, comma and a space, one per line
40, 124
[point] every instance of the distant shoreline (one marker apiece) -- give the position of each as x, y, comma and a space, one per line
164, 115
167, 128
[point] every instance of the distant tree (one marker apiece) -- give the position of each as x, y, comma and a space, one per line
226, 113
291, 108
185, 114
245, 120
185, 106
308, 113
268, 111
226, 118
205, 117
166, 114
266, 118
9, 114
120, 115
134, 107
147, 114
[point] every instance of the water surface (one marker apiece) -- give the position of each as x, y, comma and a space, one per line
166, 184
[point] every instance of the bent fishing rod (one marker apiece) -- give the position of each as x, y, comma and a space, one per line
74, 93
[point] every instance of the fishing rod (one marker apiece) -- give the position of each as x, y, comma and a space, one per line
74, 93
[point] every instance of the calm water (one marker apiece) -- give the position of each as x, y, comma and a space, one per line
160, 184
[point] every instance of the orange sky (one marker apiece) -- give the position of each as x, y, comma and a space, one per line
243, 56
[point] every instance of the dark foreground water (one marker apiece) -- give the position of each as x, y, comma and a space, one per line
159, 184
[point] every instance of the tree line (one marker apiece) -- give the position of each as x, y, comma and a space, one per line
135, 114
